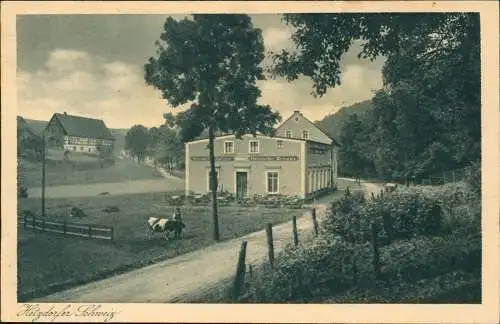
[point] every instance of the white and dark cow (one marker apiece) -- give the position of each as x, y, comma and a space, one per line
164, 226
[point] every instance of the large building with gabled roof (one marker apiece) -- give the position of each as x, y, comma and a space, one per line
80, 134
300, 159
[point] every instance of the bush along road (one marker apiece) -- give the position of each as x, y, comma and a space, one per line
413, 245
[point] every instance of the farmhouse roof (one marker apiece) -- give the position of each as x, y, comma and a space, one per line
82, 126
297, 112
204, 134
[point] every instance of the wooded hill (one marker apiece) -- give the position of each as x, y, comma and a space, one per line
332, 124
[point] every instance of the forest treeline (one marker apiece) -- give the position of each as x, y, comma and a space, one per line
427, 117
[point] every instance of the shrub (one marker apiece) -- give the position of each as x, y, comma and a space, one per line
425, 257
343, 219
464, 219
402, 214
451, 195
455, 287
473, 177
406, 213
461, 207
330, 267
434, 236
324, 267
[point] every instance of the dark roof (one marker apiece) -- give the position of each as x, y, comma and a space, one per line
83, 127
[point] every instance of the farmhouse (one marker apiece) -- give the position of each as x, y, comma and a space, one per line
80, 134
299, 160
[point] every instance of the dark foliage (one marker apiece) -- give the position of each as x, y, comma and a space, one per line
427, 116
426, 261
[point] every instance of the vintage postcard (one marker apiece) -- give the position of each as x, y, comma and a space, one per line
300, 161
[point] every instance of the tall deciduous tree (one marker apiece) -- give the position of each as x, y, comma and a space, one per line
213, 63
166, 144
427, 115
137, 141
354, 151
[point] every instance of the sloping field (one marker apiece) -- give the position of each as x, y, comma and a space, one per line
63, 173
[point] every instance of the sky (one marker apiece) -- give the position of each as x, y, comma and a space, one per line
92, 65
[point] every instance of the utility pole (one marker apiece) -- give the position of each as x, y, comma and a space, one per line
43, 173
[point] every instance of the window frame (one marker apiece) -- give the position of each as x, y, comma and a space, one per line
232, 147
279, 144
277, 182
305, 132
250, 146
288, 133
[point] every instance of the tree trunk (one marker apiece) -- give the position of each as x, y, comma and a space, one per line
213, 182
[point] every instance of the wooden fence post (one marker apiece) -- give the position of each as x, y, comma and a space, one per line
250, 270
64, 227
295, 232
270, 245
25, 221
239, 278
112, 233
33, 223
315, 222
90, 231
43, 224
376, 257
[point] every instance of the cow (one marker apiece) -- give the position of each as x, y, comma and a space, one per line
76, 212
164, 226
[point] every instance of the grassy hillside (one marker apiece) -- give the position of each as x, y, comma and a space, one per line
63, 173
332, 124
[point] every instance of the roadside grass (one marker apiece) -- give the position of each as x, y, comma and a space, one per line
64, 173
50, 262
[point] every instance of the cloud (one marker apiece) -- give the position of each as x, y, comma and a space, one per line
358, 84
81, 84
63, 60
276, 38
89, 85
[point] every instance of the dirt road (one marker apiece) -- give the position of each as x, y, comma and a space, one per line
114, 188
